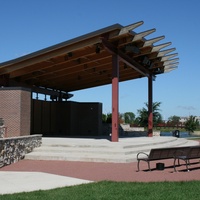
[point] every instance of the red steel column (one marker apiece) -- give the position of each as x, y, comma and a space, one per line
115, 98
150, 106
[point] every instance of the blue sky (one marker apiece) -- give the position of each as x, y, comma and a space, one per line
30, 25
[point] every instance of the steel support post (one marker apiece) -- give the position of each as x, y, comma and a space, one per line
150, 106
115, 98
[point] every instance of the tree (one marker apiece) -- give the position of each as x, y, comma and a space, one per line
143, 115
142, 118
191, 124
129, 117
121, 118
175, 119
104, 118
109, 118
157, 117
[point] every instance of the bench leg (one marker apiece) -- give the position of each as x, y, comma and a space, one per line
149, 166
187, 162
175, 164
138, 165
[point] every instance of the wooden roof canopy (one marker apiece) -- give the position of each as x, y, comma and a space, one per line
86, 61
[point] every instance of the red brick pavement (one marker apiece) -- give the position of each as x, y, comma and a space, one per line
109, 171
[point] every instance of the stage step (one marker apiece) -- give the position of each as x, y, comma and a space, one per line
101, 150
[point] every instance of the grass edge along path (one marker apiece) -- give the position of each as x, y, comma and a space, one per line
116, 190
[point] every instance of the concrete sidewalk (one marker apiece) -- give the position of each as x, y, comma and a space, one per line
16, 182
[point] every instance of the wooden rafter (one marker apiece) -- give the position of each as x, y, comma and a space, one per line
86, 61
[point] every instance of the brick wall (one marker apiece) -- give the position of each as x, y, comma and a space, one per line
15, 108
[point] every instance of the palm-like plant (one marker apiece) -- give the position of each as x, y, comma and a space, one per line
191, 124
143, 114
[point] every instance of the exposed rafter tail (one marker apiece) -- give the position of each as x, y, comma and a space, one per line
140, 36
164, 58
130, 27
170, 61
169, 69
171, 65
164, 52
151, 41
161, 46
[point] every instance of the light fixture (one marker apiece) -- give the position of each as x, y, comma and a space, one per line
70, 54
131, 48
98, 49
147, 62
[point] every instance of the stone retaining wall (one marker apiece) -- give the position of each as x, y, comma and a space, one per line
195, 134
14, 149
2, 131
126, 131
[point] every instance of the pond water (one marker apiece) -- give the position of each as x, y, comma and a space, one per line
182, 134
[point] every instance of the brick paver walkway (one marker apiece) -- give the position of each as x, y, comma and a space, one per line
109, 171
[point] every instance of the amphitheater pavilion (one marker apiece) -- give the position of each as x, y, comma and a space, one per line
107, 56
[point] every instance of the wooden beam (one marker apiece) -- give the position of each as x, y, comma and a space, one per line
161, 46
47, 65
170, 69
170, 61
164, 52
140, 36
164, 58
124, 58
129, 28
151, 41
71, 69
172, 65
43, 55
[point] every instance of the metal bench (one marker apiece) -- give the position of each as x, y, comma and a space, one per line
159, 154
193, 152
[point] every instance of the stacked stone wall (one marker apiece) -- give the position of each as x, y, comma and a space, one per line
14, 149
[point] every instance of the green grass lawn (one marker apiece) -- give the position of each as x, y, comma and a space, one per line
117, 190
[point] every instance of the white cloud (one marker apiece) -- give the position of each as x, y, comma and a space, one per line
187, 108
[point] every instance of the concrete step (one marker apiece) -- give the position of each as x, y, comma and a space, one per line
126, 149
125, 144
92, 150
81, 157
